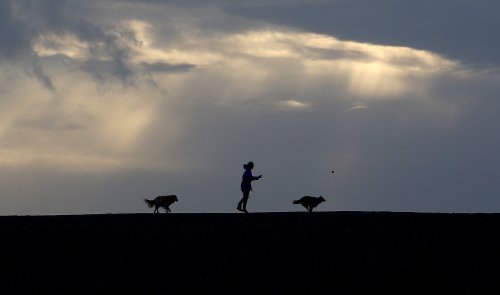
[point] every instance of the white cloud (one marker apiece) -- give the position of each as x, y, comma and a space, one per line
358, 106
51, 44
293, 104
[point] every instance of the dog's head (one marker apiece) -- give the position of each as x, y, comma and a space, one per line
174, 198
321, 199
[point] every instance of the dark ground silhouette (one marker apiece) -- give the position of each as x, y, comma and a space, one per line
318, 253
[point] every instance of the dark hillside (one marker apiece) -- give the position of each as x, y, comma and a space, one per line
319, 253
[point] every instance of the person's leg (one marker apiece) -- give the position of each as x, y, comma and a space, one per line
239, 204
245, 200
242, 205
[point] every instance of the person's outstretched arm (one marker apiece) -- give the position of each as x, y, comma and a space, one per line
256, 177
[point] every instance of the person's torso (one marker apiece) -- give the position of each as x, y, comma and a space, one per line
246, 180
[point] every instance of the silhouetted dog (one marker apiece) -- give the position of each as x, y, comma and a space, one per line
310, 202
162, 201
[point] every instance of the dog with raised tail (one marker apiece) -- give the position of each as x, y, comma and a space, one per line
310, 202
162, 201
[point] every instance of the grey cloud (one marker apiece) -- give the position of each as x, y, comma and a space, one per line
15, 37
222, 2
164, 67
119, 68
16, 44
52, 121
109, 56
41, 76
104, 70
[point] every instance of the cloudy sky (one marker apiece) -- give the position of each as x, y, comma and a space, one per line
104, 103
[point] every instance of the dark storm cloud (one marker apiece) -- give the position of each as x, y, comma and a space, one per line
15, 36
22, 23
458, 29
16, 39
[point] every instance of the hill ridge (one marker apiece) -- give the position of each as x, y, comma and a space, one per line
319, 252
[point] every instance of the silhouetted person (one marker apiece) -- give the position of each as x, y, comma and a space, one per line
310, 202
246, 186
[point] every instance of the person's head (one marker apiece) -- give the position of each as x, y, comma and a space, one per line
248, 165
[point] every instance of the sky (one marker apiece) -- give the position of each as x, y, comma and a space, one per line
105, 103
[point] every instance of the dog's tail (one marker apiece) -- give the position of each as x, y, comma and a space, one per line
150, 203
296, 202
